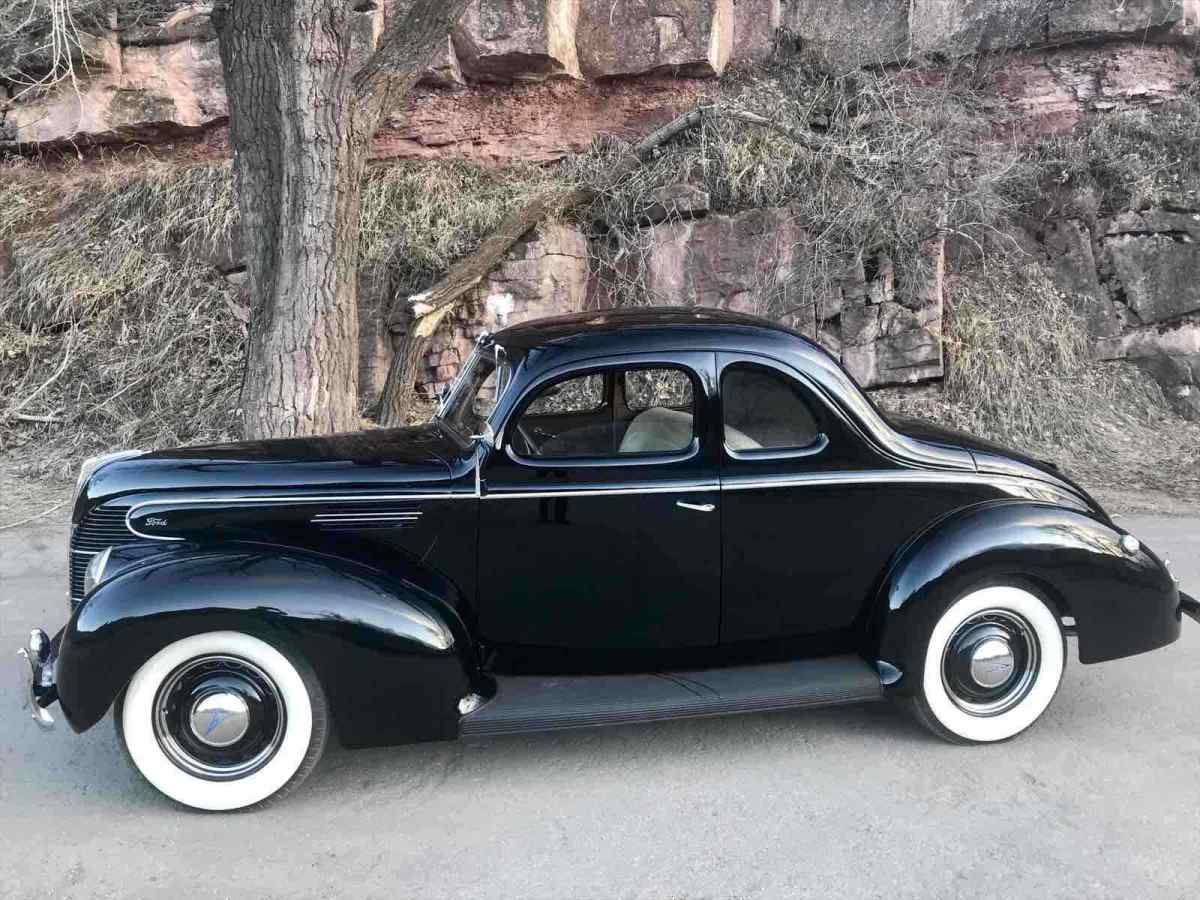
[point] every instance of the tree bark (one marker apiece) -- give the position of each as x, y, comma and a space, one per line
308, 81
431, 306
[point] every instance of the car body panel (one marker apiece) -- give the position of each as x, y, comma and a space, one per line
391, 654
1122, 603
338, 543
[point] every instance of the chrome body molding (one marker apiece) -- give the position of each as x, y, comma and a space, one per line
1016, 486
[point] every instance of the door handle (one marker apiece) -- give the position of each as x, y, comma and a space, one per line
698, 507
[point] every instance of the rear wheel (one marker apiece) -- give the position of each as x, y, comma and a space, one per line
223, 720
993, 663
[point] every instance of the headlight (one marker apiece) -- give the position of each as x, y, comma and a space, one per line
94, 574
92, 463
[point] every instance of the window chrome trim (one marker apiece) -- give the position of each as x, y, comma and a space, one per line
596, 462
646, 488
768, 453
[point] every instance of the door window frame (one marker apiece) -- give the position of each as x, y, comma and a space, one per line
817, 409
602, 365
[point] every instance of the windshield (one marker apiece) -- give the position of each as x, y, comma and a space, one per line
474, 393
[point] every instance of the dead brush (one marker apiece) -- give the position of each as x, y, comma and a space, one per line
1020, 371
124, 330
873, 174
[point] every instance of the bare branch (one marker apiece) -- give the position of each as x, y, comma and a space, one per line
404, 51
62, 367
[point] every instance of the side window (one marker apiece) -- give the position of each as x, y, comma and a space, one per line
574, 418
764, 410
645, 388
575, 395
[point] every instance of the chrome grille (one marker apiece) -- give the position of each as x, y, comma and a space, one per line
102, 527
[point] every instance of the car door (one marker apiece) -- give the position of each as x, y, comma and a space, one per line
791, 555
599, 524
811, 512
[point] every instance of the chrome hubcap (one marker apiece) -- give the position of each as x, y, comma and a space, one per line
991, 662
219, 717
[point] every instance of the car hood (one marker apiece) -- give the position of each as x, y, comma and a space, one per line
376, 459
990, 458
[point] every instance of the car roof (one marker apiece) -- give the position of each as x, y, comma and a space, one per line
578, 328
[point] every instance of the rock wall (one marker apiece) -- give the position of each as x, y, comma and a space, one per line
1137, 279
533, 80
753, 262
543, 275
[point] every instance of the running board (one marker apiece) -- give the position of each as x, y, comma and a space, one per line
539, 703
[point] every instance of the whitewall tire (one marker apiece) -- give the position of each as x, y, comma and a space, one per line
993, 663
223, 720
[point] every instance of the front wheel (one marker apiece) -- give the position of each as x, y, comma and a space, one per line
993, 662
223, 720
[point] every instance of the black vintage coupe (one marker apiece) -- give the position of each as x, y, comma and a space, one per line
616, 517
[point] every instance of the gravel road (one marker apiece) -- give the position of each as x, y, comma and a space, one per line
1100, 799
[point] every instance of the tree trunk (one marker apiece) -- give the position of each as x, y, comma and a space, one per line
307, 82
298, 165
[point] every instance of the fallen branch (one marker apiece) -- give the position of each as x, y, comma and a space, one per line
62, 367
44, 512
428, 308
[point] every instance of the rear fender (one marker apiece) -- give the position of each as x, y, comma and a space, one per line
391, 653
1123, 603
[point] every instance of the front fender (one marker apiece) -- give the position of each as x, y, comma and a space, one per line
1122, 603
391, 654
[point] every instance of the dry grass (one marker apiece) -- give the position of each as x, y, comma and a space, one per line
1127, 159
114, 323
419, 218
1021, 372
880, 183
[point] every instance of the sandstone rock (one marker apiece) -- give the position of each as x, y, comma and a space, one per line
754, 25
959, 27
1068, 245
1158, 275
532, 122
1181, 225
544, 275
674, 201
444, 70
137, 91
1049, 92
517, 40
1171, 355
633, 37
1144, 19
169, 22
887, 338
851, 33
887, 344
738, 262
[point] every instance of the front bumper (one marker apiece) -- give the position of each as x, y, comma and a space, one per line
1189, 606
41, 653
